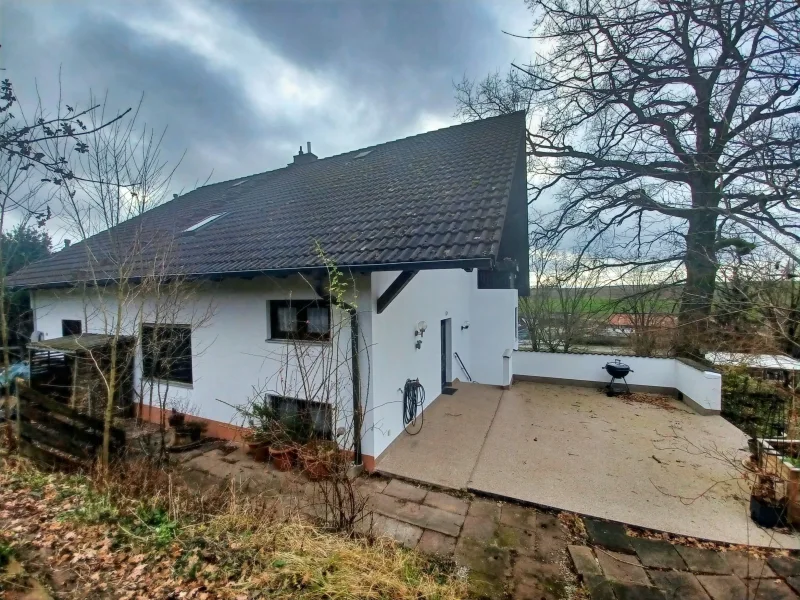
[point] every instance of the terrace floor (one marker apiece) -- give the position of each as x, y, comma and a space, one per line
651, 463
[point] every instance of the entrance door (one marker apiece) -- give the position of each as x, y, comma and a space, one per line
447, 353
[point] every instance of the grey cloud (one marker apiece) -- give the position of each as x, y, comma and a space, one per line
397, 59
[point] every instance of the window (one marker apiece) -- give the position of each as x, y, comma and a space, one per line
203, 223
300, 319
71, 327
312, 418
167, 352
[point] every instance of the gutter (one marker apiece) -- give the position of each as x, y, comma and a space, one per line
459, 263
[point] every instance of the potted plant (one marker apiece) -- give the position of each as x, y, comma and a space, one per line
766, 508
196, 430
257, 445
263, 425
176, 419
282, 453
317, 458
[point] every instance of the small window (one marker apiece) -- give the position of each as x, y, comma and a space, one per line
71, 327
203, 223
167, 352
300, 319
312, 419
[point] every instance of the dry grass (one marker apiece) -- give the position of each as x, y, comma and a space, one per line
229, 544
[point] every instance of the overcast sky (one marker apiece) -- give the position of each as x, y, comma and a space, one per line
241, 85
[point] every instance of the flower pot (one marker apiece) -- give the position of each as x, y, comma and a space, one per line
316, 469
282, 458
259, 451
764, 513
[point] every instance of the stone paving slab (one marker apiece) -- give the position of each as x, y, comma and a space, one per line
608, 535
405, 491
537, 580
679, 585
622, 567
723, 587
630, 591
785, 566
482, 507
701, 560
584, 561
446, 502
746, 566
599, 588
770, 589
521, 517
420, 515
551, 538
657, 554
433, 542
403, 533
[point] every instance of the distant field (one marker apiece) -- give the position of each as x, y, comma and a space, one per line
607, 306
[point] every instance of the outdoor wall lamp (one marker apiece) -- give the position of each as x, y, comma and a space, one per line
465, 325
418, 333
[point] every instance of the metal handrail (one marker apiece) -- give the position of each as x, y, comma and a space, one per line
463, 368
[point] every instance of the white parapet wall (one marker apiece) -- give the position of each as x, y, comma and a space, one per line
698, 387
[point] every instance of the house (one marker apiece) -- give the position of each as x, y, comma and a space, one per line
233, 282
625, 324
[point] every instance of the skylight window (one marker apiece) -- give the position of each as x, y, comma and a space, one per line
203, 223
362, 154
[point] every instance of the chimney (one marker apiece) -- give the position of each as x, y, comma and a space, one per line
302, 159
67, 243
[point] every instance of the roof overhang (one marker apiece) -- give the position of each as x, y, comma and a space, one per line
470, 263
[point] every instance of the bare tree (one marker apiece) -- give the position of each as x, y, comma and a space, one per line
129, 276
647, 304
666, 130
560, 310
37, 155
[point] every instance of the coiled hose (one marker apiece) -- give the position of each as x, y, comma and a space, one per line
413, 403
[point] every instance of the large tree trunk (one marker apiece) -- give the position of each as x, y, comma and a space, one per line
701, 272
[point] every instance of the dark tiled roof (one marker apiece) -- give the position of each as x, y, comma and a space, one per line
437, 196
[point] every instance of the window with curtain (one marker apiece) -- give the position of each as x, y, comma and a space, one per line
299, 319
167, 352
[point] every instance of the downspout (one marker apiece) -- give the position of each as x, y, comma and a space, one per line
357, 458
356, 386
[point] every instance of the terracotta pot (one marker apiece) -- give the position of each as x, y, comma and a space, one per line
282, 458
316, 469
259, 451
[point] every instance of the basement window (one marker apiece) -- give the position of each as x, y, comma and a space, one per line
300, 319
203, 223
313, 419
71, 327
167, 352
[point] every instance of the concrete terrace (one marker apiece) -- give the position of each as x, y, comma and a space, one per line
653, 465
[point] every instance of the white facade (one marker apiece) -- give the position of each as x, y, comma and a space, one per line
235, 359
700, 386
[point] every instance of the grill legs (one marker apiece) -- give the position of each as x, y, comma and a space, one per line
610, 391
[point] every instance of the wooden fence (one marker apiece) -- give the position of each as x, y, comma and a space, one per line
54, 434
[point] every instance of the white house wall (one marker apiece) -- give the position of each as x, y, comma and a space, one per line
700, 386
432, 296
232, 355
493, 330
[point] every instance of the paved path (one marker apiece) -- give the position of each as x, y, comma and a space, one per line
613, 565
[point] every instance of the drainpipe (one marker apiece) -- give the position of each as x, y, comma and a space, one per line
356, 386
357, 458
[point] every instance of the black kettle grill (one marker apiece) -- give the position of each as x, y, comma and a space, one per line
618, 370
